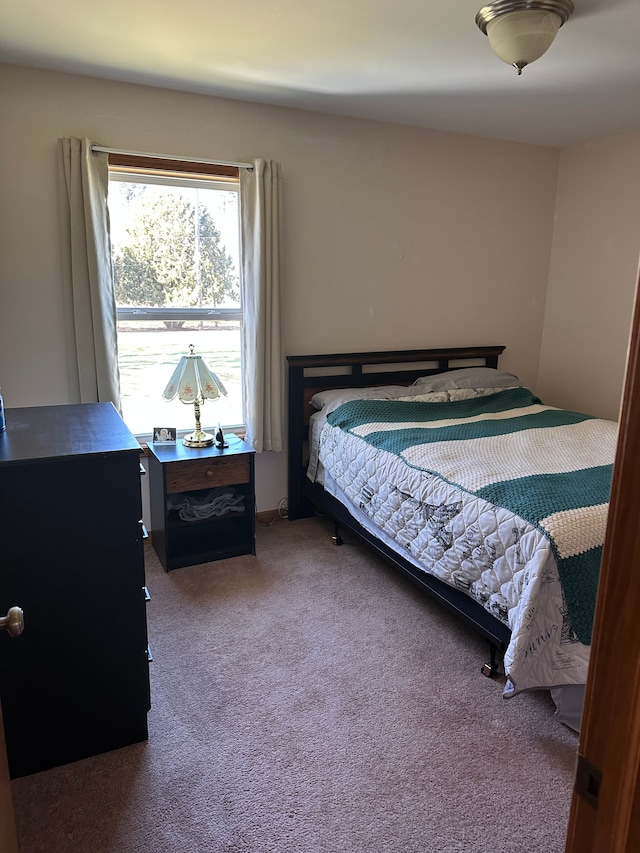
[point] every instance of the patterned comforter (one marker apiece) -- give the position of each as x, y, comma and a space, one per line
500, 496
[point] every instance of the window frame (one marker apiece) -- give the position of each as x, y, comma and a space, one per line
125, 168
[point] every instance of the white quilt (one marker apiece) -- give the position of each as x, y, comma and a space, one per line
502, 561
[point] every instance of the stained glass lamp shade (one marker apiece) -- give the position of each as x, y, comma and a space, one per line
193, 383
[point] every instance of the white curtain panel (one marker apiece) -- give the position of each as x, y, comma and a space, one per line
261, 205
83, 183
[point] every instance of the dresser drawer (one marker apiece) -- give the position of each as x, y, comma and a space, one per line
207, 473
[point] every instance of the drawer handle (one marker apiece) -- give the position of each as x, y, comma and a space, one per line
209, 472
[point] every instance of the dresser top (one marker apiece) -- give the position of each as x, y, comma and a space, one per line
50, 432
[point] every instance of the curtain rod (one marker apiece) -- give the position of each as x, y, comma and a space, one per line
104, 150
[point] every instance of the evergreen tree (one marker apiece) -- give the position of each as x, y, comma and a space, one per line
158, 263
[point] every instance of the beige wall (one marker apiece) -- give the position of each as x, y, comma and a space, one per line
593, 275
395, 237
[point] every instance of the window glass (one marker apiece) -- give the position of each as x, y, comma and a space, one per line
175, 245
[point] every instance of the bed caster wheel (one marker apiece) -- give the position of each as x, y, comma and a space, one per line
489, 669
337, 540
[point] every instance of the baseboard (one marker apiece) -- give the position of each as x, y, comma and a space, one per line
268, 516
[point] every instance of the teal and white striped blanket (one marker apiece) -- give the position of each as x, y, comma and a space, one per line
549, 467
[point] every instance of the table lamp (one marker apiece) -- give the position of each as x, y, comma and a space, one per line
192, 382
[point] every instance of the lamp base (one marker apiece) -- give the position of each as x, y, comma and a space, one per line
198, 438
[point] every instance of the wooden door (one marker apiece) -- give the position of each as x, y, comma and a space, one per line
13, 624
8, 836
605, 808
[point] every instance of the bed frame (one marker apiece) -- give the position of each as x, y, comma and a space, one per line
311, 373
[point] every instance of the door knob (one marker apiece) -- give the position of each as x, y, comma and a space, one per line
13, 622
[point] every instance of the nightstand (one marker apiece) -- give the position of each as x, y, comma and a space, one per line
202, 502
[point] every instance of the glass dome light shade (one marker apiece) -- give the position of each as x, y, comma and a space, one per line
519, 38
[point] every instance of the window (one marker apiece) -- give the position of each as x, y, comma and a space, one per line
175, 244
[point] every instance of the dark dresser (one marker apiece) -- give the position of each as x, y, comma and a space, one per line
76, 681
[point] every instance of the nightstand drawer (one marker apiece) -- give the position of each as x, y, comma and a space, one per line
207, 473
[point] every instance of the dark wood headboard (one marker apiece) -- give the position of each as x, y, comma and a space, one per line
311, 373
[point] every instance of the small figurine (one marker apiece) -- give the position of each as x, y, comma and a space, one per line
220, 442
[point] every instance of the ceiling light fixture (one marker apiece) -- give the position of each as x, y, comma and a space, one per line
520, 31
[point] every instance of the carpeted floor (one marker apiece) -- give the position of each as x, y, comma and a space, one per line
311, 699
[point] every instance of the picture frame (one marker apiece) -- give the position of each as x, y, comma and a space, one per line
164, 435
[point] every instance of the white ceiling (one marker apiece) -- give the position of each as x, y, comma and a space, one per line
417, 62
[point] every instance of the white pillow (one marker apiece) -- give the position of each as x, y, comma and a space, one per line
450, 396
336, 397
467, 377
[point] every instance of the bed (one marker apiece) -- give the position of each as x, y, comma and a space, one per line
494, 503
